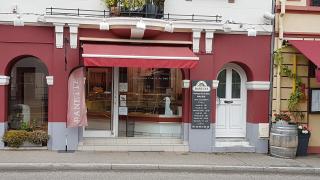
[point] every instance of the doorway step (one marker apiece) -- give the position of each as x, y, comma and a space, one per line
232, 145
133, 144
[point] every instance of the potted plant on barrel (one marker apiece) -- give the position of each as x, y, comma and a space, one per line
303, 140
282, 118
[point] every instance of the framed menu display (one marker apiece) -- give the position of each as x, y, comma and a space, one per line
201, 104
314, 106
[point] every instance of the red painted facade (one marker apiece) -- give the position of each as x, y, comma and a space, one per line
251, 53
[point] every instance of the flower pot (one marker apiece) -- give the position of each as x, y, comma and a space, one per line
303, 142
29, 144
150, 10
114, 11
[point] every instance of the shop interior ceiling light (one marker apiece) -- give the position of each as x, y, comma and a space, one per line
141, 25
18, 21
104, 25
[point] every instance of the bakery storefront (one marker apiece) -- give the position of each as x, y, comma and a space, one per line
134, 92
179, 86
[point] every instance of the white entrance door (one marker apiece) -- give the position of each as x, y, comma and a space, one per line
102, 102
231, 103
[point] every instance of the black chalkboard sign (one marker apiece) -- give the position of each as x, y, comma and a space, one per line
201, 104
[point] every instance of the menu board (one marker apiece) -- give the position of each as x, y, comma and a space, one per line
201, 104
315, 100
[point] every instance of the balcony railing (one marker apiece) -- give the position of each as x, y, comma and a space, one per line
136, 13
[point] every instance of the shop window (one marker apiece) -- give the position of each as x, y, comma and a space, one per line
315, 2
28, 95
154, 101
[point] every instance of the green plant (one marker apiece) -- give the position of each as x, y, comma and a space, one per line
111, 3
139, 3
15, 138
25, 126
38, 137
297, 95
132, 4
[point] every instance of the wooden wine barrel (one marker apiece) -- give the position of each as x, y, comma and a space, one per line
283, 140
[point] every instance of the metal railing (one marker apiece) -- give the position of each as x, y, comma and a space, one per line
138, 13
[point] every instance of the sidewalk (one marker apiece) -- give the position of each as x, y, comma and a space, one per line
235, 162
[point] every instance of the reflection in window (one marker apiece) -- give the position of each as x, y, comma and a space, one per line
28, 95
236, 84
99, 98
221, 92
153, 96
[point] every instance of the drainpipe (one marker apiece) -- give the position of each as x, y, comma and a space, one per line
281, 16
271, 69
280, 24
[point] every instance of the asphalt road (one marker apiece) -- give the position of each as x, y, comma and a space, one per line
140, 175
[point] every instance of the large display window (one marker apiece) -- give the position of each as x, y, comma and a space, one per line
153, 98
28, 95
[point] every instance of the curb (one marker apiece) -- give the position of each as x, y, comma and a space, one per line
158, 167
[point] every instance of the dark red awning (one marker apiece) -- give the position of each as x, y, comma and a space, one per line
105, 55
311, 49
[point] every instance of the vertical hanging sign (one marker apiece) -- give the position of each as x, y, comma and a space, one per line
201, 104
77, 110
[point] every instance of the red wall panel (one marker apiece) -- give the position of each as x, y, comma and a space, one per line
251, 53
258, 106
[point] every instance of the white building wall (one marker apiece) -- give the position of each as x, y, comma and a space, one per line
29, 7
242, 11
39, 6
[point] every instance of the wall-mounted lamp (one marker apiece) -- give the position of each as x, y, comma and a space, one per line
186, 83
104, 25
49, 80
140, 24
18, 21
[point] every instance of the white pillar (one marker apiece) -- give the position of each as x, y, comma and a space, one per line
59, 34
73, 29
209, 40
196, 35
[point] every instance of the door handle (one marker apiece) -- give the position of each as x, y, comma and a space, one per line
228, 102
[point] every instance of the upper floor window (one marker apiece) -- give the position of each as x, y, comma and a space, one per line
315, 2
